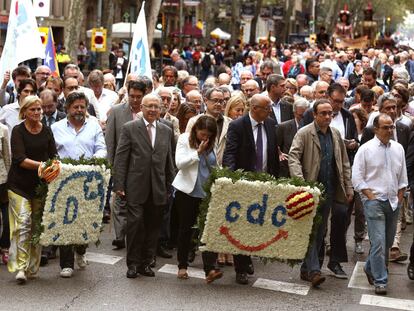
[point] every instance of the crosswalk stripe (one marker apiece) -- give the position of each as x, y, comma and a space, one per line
102, 258
385, 302
358, 278
192, 272
292, 288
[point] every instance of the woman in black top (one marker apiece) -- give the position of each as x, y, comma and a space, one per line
356, 76
31, 143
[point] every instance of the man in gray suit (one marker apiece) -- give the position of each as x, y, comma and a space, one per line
118, 116
143, 171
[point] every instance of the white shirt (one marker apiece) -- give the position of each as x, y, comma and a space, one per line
264, 139
9, 115
153, 130
338, 123
105, 102
276, 110
380, 168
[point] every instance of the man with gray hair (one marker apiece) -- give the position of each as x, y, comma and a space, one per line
250, 88
286, 131
245, 76
195, 99
306, 92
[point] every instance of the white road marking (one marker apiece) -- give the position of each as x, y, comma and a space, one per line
358, 277
102, 258
192, 272
285, 287
385, 302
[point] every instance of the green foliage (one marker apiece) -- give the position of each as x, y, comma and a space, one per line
256, 176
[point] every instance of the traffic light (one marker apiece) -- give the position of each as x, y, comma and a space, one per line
98, 42
312, 38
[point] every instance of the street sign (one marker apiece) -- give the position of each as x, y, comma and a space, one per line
98, 42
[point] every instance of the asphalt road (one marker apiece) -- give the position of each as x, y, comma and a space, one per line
104, 287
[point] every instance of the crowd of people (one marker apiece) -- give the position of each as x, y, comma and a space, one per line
343, 118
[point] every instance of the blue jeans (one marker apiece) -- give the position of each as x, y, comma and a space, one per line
382, 225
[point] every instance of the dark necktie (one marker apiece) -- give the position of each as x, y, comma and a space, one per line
259, 149
51, 120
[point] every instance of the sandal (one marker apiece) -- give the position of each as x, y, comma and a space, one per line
410, 271
182, 274
213, 275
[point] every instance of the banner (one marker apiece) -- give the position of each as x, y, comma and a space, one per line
74, 205
50, 58
23, 40
139, 57
264, 219
41, 8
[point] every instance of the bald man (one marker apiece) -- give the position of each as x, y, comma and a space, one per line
250, 88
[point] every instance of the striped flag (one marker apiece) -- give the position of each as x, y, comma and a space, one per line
139, 58
50, 58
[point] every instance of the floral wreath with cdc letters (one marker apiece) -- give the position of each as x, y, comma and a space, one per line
256, 214
73, 194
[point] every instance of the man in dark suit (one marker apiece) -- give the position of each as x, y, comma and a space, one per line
49, 107
276, 88
251, 146
118, 116
286, 131
143, 172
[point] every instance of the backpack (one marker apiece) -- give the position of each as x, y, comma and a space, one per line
206, 62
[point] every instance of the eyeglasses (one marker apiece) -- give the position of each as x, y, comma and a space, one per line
166, 98
151, 107
72, 88
43, 73
217, 101
387, 127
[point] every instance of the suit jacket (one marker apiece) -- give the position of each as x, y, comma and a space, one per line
119, 115
285, 132
60, 115
305, 157
410, 162
141, 170
286, 112
240, 151
220, 141
403, 134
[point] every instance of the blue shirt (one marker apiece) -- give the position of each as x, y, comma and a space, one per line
89, 141
204, 170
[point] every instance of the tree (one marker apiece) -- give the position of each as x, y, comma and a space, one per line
253, 26
72, 31
235, 21
152, 8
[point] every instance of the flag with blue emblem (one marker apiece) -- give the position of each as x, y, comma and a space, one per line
23, 41
50, 58
139, 57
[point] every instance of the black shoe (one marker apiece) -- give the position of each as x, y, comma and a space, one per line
191, 256
162, 252
381, 290
250, 269
241, 278
132, 273
146, 271
106, 217
44, 260
153, 263
337, 271
410, 271
119, 244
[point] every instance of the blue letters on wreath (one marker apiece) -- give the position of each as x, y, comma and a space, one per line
72, 203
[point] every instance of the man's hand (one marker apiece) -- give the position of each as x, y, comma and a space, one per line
351, 144
6, 79
350, 197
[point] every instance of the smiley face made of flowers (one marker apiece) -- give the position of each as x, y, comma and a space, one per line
264, 219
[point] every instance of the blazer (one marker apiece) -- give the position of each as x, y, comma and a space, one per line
220, 141
240, 151
118, 116
187, 161
140, 169
403, 134
285, 132
286, 112
305, 157
410, 162
60, 115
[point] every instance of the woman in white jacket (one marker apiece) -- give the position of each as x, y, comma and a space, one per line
194, 158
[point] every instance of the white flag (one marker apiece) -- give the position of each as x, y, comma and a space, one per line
23, 40
140, 56
41, 8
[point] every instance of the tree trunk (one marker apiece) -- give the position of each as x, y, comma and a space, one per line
287, 21
152, 9
253, 24
235, 21
210, 17
72, 31
108, 12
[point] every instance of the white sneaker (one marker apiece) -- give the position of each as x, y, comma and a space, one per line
81, 261
21, 277
66, 272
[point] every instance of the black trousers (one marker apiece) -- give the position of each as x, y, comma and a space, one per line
143, 228
67, 254
187, 208
4, 226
